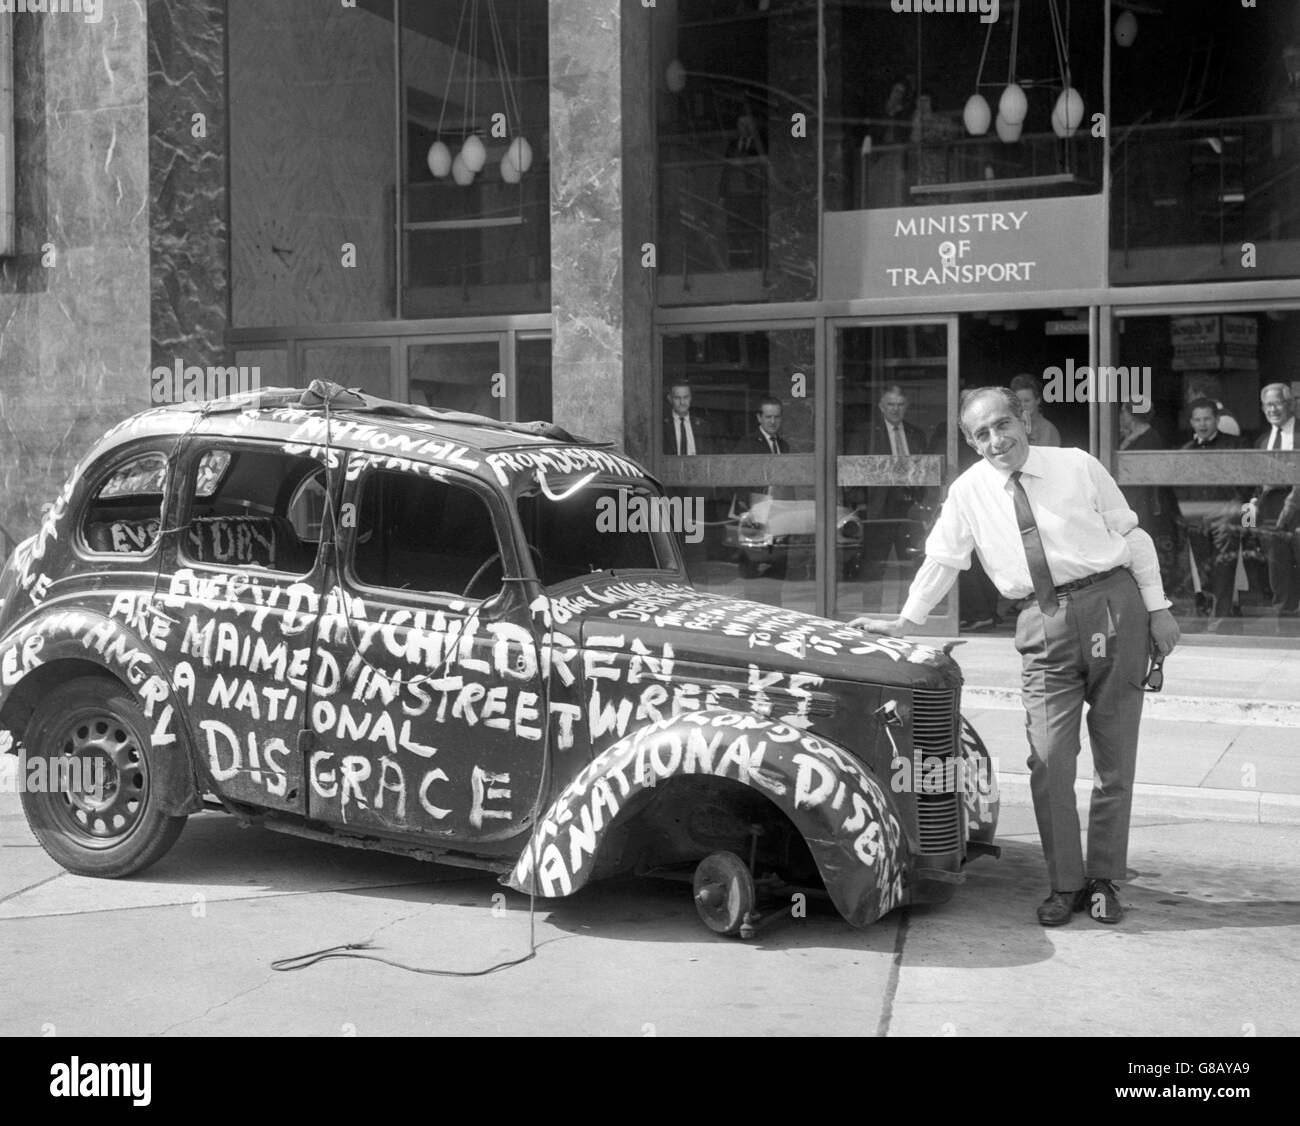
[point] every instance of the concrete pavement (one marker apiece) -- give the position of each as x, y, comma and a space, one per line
185, 949
1221, 741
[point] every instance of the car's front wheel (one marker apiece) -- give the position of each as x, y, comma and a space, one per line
88, 793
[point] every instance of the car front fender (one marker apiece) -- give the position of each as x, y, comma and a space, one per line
843, 814
60, 644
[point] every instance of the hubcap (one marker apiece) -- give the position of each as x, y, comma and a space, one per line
99, 780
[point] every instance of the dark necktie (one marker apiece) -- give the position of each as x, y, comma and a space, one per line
1039, 572
1275, 439
681, 444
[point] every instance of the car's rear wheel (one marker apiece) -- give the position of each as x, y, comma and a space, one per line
724, 892
94, 807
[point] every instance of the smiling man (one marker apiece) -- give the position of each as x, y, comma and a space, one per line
1051, 526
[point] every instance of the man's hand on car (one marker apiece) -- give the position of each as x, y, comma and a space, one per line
890, 627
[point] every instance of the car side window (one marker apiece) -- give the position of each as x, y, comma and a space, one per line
421, 534
239, 507
125, 510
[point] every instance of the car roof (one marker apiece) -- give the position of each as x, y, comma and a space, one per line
326, 413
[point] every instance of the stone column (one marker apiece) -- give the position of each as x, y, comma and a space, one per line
602, 171
188, 217
74, 313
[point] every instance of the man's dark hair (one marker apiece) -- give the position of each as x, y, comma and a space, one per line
1208, 404
1026, 382
769, 401
675, 383
1005, 393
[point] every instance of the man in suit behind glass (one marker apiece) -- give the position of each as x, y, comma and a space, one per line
685, 432
889, 508
766, 439
1210, 513
1277, 511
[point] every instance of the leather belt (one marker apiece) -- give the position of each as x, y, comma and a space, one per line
1079, 584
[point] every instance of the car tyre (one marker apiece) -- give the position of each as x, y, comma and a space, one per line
114, 830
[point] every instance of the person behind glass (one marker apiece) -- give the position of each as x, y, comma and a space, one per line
766, 439
1211, 512
1156, 505
1208, 387
889, 522
1051, 526
1030, 393
886, 178
685, 433
1277, 510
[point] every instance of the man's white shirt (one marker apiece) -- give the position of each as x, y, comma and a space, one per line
1085, 523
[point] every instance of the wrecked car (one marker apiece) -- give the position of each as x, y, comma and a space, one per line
390, 627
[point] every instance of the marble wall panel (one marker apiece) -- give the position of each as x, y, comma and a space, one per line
311, 163
74, 298
188, 229
601, 313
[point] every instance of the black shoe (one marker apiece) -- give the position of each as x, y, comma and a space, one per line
1103, 901
1056, 909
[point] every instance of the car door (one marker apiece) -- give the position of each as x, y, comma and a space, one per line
427, 711
241, 581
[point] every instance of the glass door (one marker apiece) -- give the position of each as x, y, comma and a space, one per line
505, 375
895, 452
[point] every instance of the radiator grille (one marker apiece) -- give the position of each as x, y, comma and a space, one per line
935, 756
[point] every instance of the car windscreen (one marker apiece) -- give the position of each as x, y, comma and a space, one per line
576, 529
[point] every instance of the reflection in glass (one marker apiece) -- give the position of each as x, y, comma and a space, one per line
1220, 555
748, 397
737, 172
892, 442
475, 241
533, 379
367, 367
900, 129
457, 377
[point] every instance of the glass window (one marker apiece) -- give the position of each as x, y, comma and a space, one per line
915, 104
476, 190
240, 517
307, 508
418, 534
1196, 399
266, 367
737, 151
892, 436
603, 526
533, 379
312, 162
1205, 162
457, 376
125, 511
744, 401
364, 366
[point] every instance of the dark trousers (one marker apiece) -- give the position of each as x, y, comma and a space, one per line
1092, 651
1283, 549
1217, 566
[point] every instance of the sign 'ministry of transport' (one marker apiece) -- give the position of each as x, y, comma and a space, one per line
1030, 245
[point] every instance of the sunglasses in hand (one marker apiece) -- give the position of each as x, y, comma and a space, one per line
1155, 679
